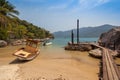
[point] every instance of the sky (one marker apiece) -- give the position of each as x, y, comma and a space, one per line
61, 15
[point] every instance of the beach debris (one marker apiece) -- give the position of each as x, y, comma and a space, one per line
60, 78
3, 43
39, 78
9, 72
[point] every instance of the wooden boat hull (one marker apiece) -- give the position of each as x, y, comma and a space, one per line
20, 57
29, 52
29, 58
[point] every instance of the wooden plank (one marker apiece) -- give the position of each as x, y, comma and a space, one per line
105, 74
110, 76
111, 68
110, 71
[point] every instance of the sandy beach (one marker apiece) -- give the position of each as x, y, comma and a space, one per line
53, 63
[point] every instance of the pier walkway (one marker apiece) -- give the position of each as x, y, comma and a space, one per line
110, 70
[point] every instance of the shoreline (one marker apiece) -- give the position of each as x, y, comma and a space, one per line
53, 64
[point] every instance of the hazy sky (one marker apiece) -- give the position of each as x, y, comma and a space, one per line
61, 15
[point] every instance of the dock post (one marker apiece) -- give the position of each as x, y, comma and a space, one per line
72, 37
77, 31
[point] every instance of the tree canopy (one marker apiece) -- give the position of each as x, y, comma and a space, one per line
13, 27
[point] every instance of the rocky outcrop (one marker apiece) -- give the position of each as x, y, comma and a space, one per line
78, 47
111, 39
3, 43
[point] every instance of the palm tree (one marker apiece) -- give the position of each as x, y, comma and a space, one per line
7, 9
7, 13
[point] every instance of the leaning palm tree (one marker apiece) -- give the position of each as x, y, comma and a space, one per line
7, 9
7, 12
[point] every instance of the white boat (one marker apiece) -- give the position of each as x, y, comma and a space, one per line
47, 42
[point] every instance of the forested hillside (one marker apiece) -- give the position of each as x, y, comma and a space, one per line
13, 27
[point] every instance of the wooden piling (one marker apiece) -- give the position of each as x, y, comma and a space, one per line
77, 31
72, 37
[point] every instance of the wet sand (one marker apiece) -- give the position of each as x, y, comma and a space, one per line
53, 63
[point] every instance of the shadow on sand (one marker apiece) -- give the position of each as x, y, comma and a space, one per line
17, 61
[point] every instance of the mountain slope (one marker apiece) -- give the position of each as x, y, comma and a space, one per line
86, 31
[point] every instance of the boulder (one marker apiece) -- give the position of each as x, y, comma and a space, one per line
3, 43
97, 53
79, 47
110, 39
17, 42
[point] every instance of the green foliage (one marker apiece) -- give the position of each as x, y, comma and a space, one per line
20, 31
3, 34
10, 25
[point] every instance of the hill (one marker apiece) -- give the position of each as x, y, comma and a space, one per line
12, 27
86, 31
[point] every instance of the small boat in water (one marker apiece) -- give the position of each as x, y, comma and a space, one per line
29, 52
47, 42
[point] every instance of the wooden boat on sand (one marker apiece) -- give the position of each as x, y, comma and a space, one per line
29, 52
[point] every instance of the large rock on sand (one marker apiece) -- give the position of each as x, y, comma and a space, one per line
111, 39
97, 53
3, 43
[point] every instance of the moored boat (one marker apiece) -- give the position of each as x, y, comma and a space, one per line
47, 42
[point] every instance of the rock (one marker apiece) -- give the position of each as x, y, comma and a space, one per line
86, 47
3, 43
17, 42
111, 39
97, 53
79, 47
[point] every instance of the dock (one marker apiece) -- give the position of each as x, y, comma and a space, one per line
109, 67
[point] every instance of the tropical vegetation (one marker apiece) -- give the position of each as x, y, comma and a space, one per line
13, 27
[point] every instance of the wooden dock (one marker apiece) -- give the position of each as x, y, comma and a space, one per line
110, 69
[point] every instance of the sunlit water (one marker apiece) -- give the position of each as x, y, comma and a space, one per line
56, 51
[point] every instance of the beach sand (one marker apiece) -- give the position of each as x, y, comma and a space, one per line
53, 63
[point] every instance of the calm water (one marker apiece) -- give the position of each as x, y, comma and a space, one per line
61, 42
87, 66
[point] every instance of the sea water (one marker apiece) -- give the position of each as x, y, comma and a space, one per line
61, 42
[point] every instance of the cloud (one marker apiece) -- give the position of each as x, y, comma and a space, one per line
58, 7
62, 5
35, 0
91, 3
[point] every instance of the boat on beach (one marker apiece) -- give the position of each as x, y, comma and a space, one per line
29, 52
